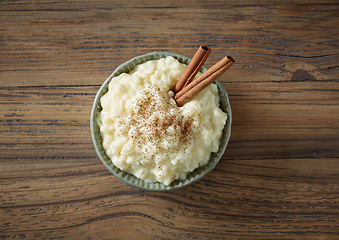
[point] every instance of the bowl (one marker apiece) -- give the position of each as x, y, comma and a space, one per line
131, 180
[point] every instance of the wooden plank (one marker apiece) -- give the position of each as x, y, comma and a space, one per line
269, 42
270, 120
276, 199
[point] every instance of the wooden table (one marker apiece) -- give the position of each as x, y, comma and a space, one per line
278, 178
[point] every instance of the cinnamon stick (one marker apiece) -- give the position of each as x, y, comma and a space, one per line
193, 68
208, 77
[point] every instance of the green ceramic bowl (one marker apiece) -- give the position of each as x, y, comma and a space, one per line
131, 180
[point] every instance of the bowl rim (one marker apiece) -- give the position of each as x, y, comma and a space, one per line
130, 179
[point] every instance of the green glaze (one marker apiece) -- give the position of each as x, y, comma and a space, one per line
131, 180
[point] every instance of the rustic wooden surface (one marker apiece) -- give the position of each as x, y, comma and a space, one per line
279, 176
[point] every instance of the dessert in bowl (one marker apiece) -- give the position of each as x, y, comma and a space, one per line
144, 138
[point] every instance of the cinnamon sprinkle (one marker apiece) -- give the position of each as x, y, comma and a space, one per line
159, 123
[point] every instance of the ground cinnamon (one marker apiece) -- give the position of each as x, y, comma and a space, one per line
193, 68
208, 77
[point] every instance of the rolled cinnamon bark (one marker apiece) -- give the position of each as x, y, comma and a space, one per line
208, 77
193, 68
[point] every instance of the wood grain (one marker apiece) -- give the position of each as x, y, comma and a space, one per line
278, 178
